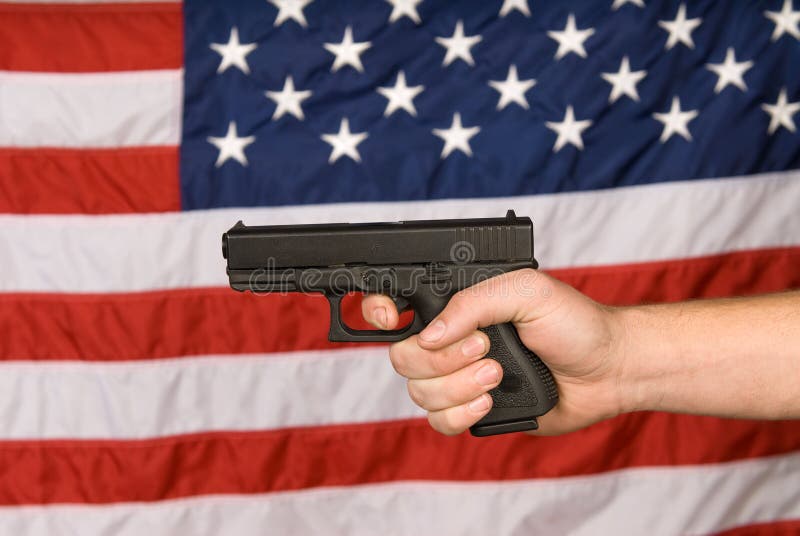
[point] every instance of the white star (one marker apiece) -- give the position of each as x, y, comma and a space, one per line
344, 142
676, 121
786, 21
519, 5
568, 130
233, 52
780, 113
456, 137
624, 81
570, 39
405, 8
231, 146
680, 29
290, 9
512, 89
287, 100
400, 96
347, 52
458, 45
619, 3
730, 72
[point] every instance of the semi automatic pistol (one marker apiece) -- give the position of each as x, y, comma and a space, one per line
420, 265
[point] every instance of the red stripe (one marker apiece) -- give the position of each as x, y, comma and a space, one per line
716, 276
89, 181
159, 324
91, 37
775, 528
290, 459
220, 321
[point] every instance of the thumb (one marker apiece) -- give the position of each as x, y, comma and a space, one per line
521, 296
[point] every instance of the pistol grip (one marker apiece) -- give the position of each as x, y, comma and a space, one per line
526, 391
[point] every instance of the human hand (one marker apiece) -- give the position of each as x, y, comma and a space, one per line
576, 337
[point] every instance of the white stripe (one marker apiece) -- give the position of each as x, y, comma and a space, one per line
90, 109
648, 223
131, 400
652, 501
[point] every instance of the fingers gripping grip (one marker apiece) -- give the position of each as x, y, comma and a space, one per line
526, 391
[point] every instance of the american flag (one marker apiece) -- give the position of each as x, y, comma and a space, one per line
654, 143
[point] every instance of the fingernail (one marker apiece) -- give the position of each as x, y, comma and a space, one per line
433, 332
487, 375
473, 346
480, 404
379, 316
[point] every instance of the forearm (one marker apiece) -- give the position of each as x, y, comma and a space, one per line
736, 357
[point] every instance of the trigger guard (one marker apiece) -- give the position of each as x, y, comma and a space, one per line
341, 332
401, 304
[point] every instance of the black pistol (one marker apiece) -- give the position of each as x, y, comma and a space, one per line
420, 265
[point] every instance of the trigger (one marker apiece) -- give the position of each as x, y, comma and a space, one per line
401, 304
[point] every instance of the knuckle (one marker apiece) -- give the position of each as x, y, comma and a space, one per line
457, 302
434, 422
416, 394
530, 273
440, 422
399, 362
439, 364
450, 422
526, 282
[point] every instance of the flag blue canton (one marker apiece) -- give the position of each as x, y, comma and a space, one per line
290, 156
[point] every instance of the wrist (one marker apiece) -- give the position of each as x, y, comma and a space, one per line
640, 382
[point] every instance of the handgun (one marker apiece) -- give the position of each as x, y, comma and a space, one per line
419, 265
